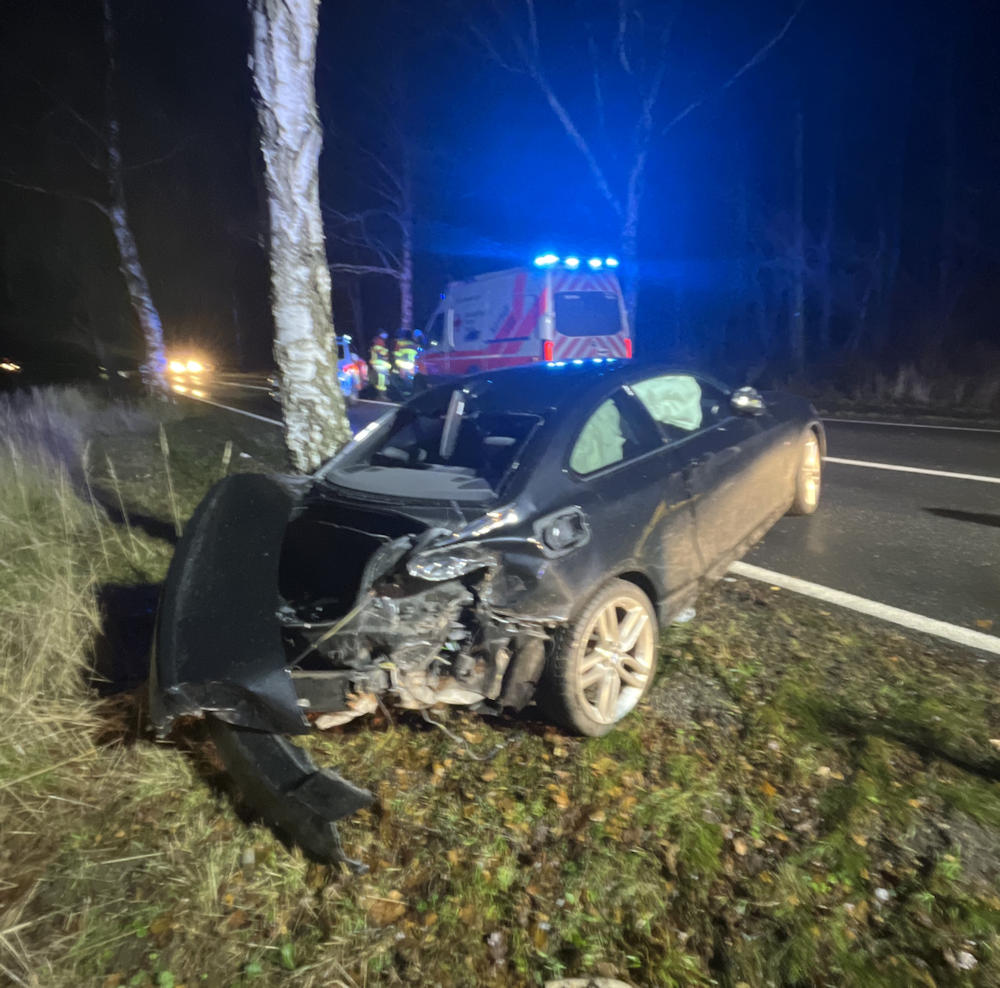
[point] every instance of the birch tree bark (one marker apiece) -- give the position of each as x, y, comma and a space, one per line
283, 61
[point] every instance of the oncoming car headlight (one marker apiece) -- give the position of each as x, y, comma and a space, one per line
450, 563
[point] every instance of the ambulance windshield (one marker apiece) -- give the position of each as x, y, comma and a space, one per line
587, 314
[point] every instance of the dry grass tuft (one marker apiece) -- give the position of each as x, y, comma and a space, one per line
52, 543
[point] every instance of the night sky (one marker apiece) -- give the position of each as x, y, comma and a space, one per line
880, 87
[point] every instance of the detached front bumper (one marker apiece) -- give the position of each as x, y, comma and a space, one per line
218, 653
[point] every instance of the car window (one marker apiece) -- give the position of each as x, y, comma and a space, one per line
601, 441
485, 446
672, 399
587, 313
680, 403
611, 435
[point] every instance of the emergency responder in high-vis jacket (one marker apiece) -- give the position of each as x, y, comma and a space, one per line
380, 362
405, 357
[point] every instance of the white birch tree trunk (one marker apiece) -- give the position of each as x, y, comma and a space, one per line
283, 62
154, 368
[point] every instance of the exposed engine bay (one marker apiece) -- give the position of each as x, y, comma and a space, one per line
280, 613
408, 617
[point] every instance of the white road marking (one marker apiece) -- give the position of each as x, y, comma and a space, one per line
916, 425
240, 384
931, 473
229, 408
873, 608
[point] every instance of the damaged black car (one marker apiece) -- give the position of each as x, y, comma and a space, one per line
517, 539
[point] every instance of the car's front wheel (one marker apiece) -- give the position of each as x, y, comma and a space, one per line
605, 663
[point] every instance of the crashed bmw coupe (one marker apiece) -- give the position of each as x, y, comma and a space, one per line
516, 539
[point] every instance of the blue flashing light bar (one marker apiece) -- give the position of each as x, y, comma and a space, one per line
573, 262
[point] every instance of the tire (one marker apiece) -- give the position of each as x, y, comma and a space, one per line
589, 691
808, 477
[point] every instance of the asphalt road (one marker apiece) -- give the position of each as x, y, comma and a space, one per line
926, 543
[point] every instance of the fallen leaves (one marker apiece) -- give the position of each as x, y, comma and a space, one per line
561, 798
385, 910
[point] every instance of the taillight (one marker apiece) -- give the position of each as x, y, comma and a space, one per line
628, 347
548, 350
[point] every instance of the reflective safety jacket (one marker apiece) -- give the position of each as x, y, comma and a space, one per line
406, 352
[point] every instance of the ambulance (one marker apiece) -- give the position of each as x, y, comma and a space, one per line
561, 309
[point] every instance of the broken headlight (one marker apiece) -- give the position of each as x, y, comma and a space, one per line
450, 563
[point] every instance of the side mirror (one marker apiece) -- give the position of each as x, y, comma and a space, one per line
747, 401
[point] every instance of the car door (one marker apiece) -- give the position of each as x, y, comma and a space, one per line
632, 488
720, 452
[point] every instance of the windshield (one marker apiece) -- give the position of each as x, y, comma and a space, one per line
451, 450
587, 314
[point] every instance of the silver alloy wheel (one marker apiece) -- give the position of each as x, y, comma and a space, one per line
617, 661
810, 472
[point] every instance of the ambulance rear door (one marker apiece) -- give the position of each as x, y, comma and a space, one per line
589, 316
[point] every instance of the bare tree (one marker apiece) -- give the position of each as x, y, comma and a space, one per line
628, 52
379, 240
104, 155
283, 61
141, 298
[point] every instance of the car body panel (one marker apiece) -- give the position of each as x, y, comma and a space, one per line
292, 598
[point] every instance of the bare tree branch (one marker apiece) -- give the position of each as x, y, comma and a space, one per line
533, 68
364, 269
59, 193
622, 32
533, 28
755, 60
91, 160
491, 50
65, 107
166, 156
596, 73
386, 171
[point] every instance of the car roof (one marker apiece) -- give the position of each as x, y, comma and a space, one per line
536, 388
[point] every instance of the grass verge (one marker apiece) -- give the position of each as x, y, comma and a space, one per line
805, 798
